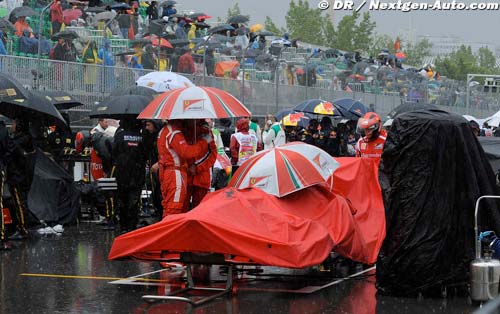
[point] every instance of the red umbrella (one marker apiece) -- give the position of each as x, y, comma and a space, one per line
163, 42
196, 102
70, 15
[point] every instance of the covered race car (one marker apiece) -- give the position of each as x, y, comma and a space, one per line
295, 231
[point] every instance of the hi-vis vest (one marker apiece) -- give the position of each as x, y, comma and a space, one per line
248, 146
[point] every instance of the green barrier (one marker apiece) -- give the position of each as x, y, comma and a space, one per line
4, 12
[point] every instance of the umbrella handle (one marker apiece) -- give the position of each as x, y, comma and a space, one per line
331, 176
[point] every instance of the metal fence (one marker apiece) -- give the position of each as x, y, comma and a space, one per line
91, 83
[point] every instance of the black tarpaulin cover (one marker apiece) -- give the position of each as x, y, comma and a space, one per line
433, 170
53, 196
491, 146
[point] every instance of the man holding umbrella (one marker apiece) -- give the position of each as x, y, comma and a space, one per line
20, 175
174, 151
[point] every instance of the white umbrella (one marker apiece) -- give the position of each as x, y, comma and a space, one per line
163, 81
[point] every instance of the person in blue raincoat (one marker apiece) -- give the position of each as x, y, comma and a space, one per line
180, 32
106, 56
136, 66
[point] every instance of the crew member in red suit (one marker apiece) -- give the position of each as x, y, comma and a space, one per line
371, 143
199, 170
174, 151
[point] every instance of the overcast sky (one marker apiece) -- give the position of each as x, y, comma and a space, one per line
472, 26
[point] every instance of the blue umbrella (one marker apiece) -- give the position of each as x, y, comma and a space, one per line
350, 108
318, 107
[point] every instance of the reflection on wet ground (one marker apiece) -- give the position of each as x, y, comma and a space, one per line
76, 276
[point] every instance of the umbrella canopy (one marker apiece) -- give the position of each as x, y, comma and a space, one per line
141, 41
199, 16
264, 33
163, 81
120, 6
61, 100
256, 27
285, 169
400, 56
108, 15
201, 25
23, 11
162, 42
95, 10
220, 28
237, 19
118, 107
135, 90
10, 88
34, 107
168, 3
350, 108
195, 102
65, 34
6, 25
70, 15
293, 118
317, 106
179, 42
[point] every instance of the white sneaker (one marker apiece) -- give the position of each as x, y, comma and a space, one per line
58, 228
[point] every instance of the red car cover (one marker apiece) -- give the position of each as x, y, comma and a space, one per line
295, 231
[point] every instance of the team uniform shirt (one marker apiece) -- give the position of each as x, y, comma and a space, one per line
275, 136
372, 149
243, 146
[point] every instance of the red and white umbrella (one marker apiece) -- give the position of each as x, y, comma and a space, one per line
285, 169
195, 102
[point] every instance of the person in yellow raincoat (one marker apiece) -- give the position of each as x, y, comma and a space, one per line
192, 35
90, 56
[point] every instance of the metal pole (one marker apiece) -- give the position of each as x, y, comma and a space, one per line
467, 95
40, 27
243, 79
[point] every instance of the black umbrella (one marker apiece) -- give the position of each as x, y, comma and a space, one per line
61, 100
10, 88
135, 90
220, 28
140, 41
194, 16
168, 3
201, 25
35, 108
237, 19
95, 10
264, 33
65, 34
118, 107
23, 12
5, 24
120, 6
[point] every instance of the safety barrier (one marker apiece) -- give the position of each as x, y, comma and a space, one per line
91, 83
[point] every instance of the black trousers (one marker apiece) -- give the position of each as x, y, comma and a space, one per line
20, 204
128, 207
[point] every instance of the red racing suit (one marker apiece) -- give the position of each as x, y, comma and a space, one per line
173, 152
371, 149
202, 179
